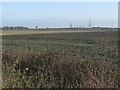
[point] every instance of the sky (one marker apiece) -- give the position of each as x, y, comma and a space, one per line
59, 0
59, 14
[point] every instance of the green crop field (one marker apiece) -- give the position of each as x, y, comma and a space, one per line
64, 59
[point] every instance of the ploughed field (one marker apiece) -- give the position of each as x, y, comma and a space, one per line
63, 58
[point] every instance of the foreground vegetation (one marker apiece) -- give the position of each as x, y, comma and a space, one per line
67, 60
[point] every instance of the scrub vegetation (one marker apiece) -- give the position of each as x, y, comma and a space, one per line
61, 60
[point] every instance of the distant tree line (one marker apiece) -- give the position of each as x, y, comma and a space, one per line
71, 27
14, 27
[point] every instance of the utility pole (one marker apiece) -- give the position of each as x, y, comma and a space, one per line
70, 25
89, 23
112, 24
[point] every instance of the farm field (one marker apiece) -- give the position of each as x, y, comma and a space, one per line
47, 31
60, 58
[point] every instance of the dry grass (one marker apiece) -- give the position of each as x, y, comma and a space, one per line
65, 60
49, 70
45, 31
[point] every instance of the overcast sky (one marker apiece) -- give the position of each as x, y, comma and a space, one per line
59, 14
